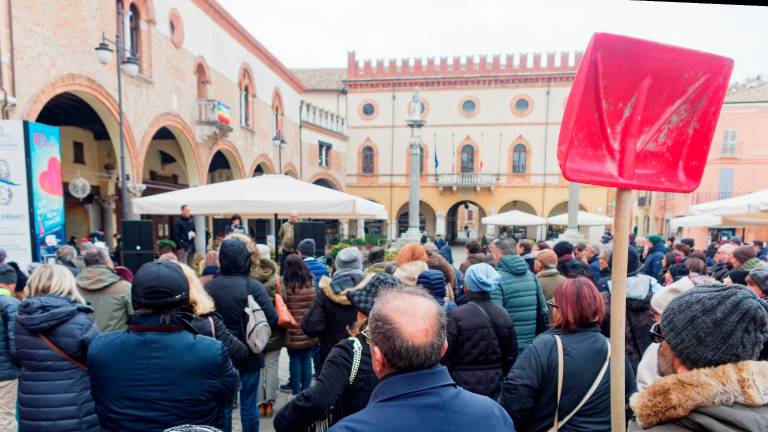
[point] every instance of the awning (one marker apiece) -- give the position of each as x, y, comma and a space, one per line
514, 218
755, 202
695, 221
584, 219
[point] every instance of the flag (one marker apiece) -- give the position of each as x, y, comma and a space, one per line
453, 154
437, 163
481, 166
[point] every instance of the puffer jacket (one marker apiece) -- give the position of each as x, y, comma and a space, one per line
331, 313
9, 305
298, 300
229, 291
211, 325
108, 294
520, 294
159, 374
55, 394
266, 273
318, 270
640, 289
652, 266
480, 350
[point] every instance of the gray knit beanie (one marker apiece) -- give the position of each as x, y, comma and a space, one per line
349, 259
712, 325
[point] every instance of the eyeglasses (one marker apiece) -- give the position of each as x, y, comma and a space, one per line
657, 335
366, 334
551, 304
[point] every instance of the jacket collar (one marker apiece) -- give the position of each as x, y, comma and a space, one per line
676, 396
398, 384
548, 273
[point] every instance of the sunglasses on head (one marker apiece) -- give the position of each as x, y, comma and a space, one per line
657, 335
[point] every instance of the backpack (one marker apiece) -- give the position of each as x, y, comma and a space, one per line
257, 331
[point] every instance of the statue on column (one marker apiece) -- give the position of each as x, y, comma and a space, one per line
416, 106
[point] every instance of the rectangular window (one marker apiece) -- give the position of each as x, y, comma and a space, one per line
728, 147
325, 154
78, 153
725, 185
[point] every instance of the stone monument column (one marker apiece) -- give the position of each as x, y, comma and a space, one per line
108, 204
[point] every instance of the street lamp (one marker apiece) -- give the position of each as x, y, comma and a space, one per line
279, 142
131, 67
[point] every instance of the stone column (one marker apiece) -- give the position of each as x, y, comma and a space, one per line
200, 243
572, 233
392, 229
414, 233
361, 228
344, 228
135, 190
108, 204
440, 224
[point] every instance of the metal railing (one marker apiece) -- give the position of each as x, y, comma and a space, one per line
469, 180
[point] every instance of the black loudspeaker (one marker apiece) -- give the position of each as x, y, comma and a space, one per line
137, 236
137, 244
313, 230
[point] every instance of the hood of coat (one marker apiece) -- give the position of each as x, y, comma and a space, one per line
38, 314
96, 277
752, 264
548, 273
513, 264
264, 270
377, 268
638, 286
340, 297
234, 258
676, 396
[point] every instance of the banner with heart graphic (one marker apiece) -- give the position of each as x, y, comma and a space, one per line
44, 148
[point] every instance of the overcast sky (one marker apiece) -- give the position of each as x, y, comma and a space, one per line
311, 33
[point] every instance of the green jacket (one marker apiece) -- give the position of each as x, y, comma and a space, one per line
752, 264
549, 279
266, 274
108, 294
519, 293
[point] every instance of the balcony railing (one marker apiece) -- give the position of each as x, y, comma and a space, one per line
214, 119
470, 180
643, 201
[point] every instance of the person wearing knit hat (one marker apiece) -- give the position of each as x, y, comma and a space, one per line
562, 248
736, 277
709, 336
482, 343
546, 271
364, 297
757, 281
653, 262
434, 282
745, 258
306, 250
7, 277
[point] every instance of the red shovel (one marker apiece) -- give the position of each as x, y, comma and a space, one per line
640, 115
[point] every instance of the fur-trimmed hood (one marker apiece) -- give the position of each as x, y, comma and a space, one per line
677, 396
341, 296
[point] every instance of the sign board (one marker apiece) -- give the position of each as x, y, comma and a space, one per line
45, 176
15, 231
641, 115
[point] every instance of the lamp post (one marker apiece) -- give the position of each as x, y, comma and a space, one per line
279, 142
415, 123
131, 67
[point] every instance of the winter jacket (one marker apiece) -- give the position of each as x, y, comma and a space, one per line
298, 300
549, 279
720, 271
266, 273
234, 229
318, 270
72, 267
230, 291
730, 397
752, 264
425, 400
569, 266
594, 266
181, 228
209, 272
108, 294
519, 293
474, 259
530, 259
653, 265
330, 314
480, 350
55, 394
379, 267
331, 389
212, 325
9, 305
159, 374
529, 393
640, 289
648, 368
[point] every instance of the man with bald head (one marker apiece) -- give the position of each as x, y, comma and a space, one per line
407, 335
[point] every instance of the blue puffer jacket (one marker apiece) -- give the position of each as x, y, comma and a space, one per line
653, 265
9, 368
54, 394
158, 374
520, 294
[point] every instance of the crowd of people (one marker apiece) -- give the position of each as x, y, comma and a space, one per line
515, 338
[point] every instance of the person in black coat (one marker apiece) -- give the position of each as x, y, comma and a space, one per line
529, 392
482, 345
333, 396
230, 290
184, 236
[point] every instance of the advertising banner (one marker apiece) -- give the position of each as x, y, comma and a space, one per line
45, 177
15, 235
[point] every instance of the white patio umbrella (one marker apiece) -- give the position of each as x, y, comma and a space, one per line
692, 221
584, 219
514, 218
263, 197
753, 203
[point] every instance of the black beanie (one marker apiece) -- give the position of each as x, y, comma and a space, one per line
713, 325
633, 261
563, 248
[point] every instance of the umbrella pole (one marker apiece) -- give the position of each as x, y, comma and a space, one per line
619, 306
277, 242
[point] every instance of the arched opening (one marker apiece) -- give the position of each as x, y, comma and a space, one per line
203, 79
368, 160
467, 159
518, 232
223, 167
247, 94
324, 183
427, 218
519, 155
463, 222
89, 152
133, 41
261, 169
553, 231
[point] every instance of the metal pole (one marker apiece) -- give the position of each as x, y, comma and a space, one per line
280, 156
619, 306
123, 174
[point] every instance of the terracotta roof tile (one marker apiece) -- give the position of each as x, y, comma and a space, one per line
321, 78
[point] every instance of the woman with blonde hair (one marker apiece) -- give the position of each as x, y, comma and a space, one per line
209, 323
54, 329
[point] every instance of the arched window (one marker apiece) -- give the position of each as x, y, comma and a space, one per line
518, 159
245, 106
368, 160
467, 159
202, 81
134, 28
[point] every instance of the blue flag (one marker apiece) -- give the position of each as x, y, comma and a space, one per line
437, 163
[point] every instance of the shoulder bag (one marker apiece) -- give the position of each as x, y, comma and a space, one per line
284, 317
58, 351
558, 423
334, 414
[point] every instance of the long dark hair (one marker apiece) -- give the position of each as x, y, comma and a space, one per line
295, 273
